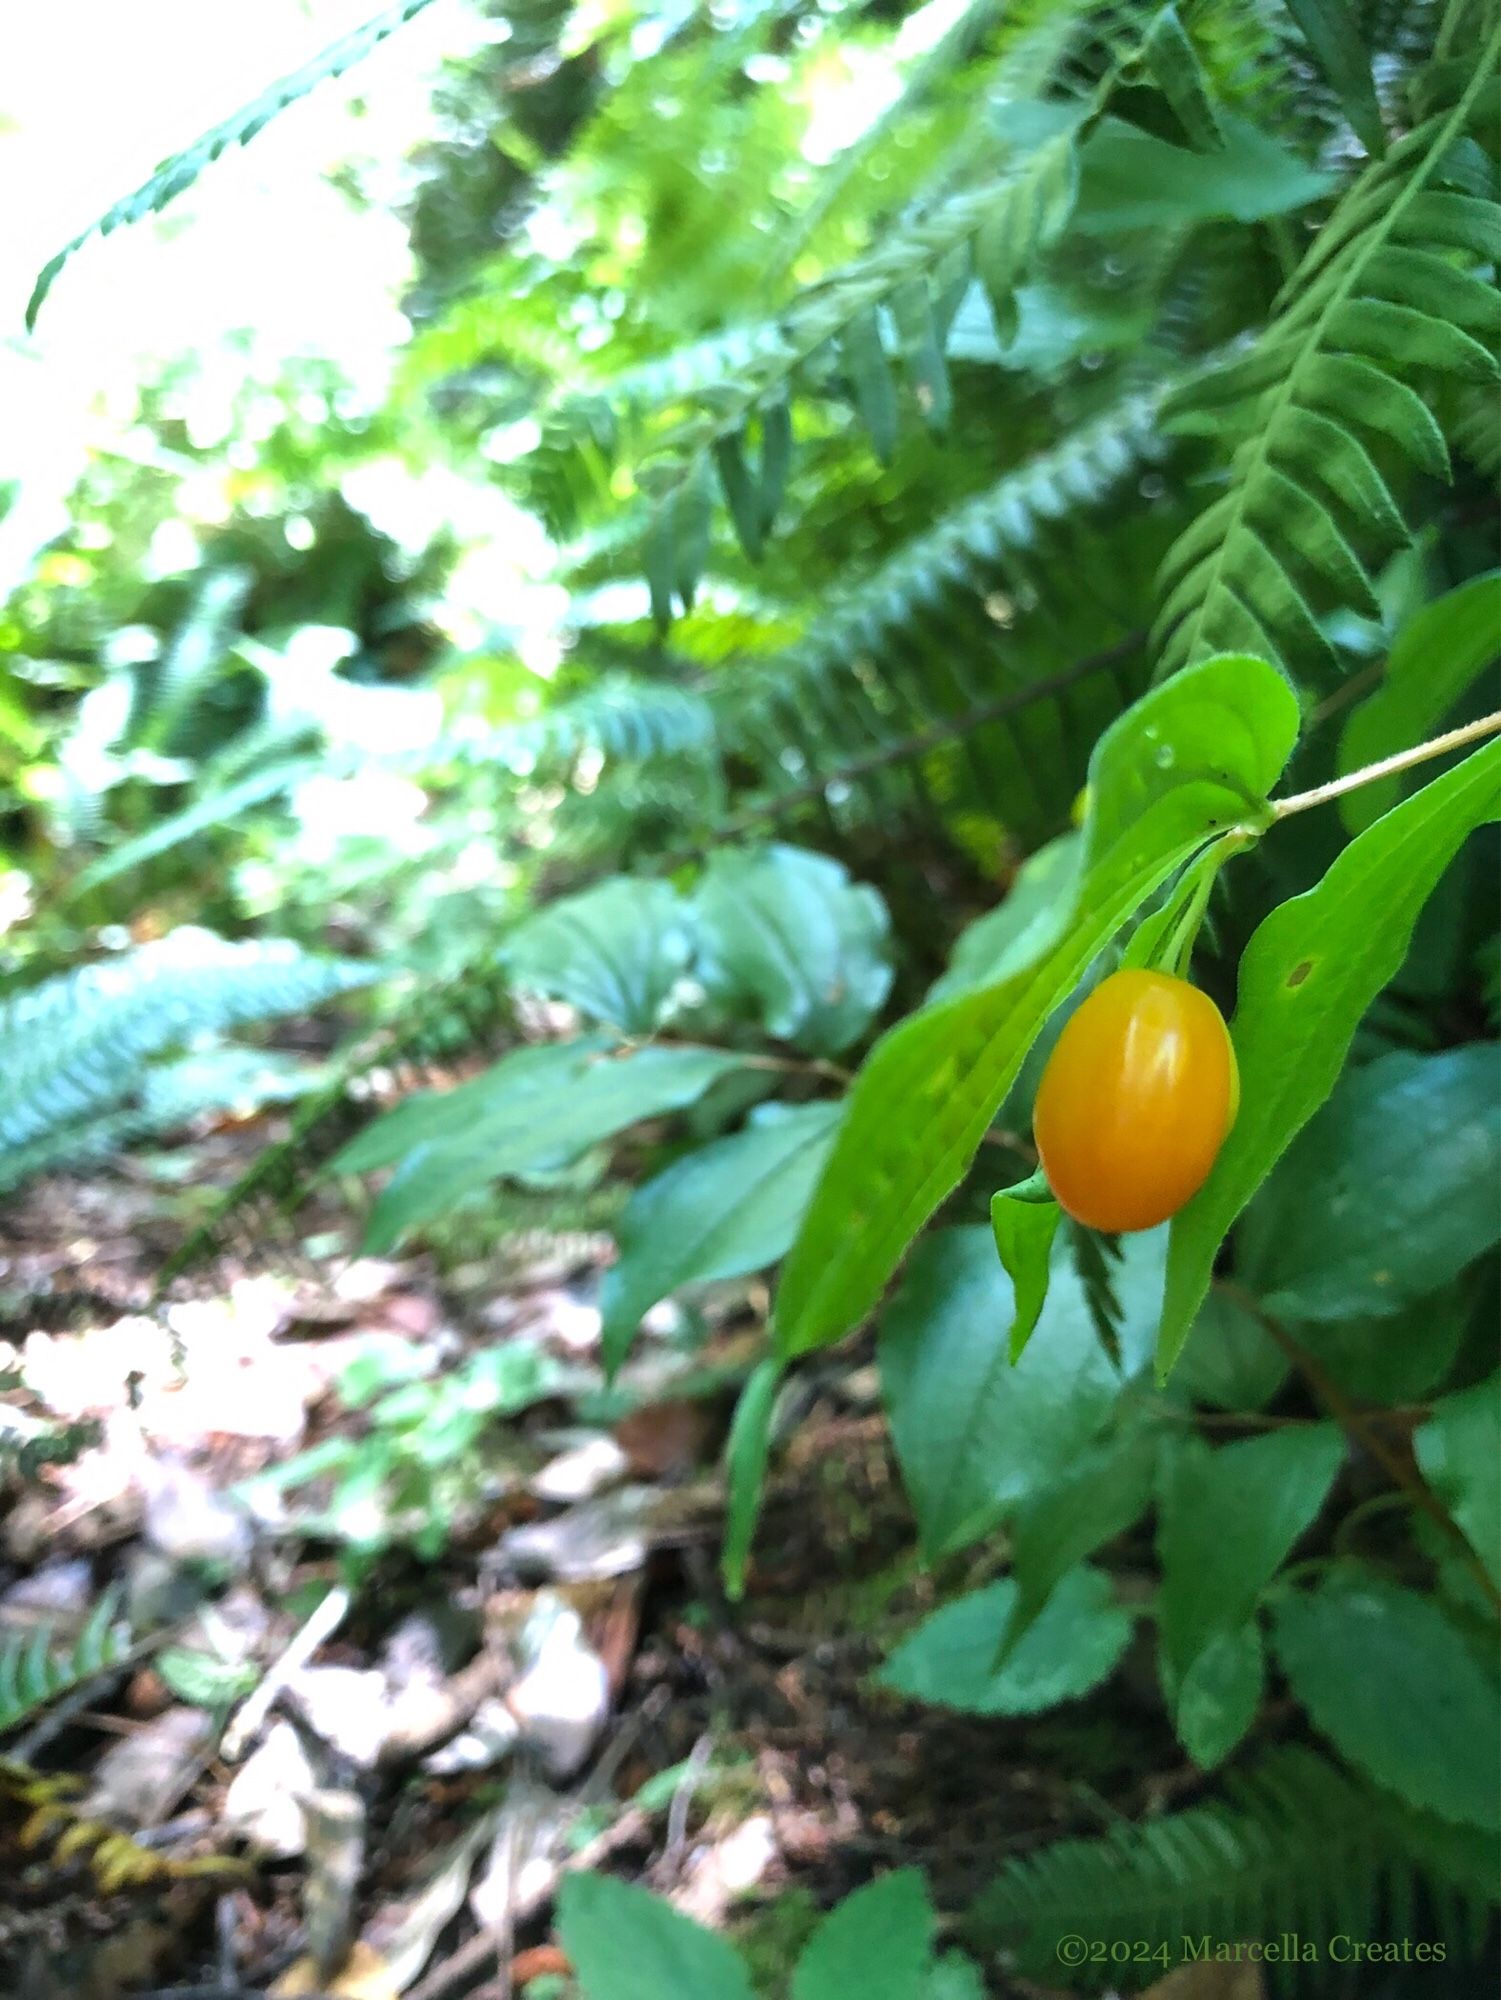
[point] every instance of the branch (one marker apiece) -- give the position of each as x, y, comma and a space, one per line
1358, 1427
1401, 760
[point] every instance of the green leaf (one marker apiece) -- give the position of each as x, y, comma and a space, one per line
1172, 63
1098, 1495
1226, 1523
1390, 1357
625, 1944
955, 1977
520, 1086
724, 1210
865, 363
740, 492
1459, 1453
660, 560
788, 932
1397, 1691
1192, 757
877, 1943
1075, 1641
746, 1454
1231, 1362
615, 951
1217, 1701
1308, 974
690, 531
585, 1097
1333, 33
776, 460
1388, 1193
922, 352
1024, 1221
1436, 656
1130, 180
1034, 910
976, 1434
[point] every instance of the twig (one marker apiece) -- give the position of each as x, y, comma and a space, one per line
325, 1621
1356, 1424
682, 1799
1386, 767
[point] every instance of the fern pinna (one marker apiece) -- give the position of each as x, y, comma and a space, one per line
1324, 404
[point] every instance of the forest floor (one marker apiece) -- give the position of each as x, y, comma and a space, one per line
404, 1612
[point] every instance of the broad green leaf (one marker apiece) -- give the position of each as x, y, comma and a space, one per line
625, 1944
1173, 65
1309, 973
877, 1943
1098, 1495
1333, 33
1035, 909
1231, 1362
1391, 1357
976, 1434
1218, 1698
1397, 1691
1194, 756
746, 1454
1459, 1453
869, 371
1387, 1193
726, 1209
519, 1086
524, 1130
1226, 1523
1024, 1221
614, 952
1074, 1642
1436, 656
1130, 180
788, 933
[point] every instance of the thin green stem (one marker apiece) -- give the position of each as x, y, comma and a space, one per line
1386, 767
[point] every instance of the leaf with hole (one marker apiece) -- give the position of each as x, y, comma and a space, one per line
1190, 759
1307, 976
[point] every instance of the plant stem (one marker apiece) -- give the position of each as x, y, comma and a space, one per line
1401, 760
1359, 1428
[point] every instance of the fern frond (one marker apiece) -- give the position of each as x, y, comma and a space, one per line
178, 173
918, 277
35, 1669
896, 661
462, 1012
1296, 1845
1323, 400
71, 1049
